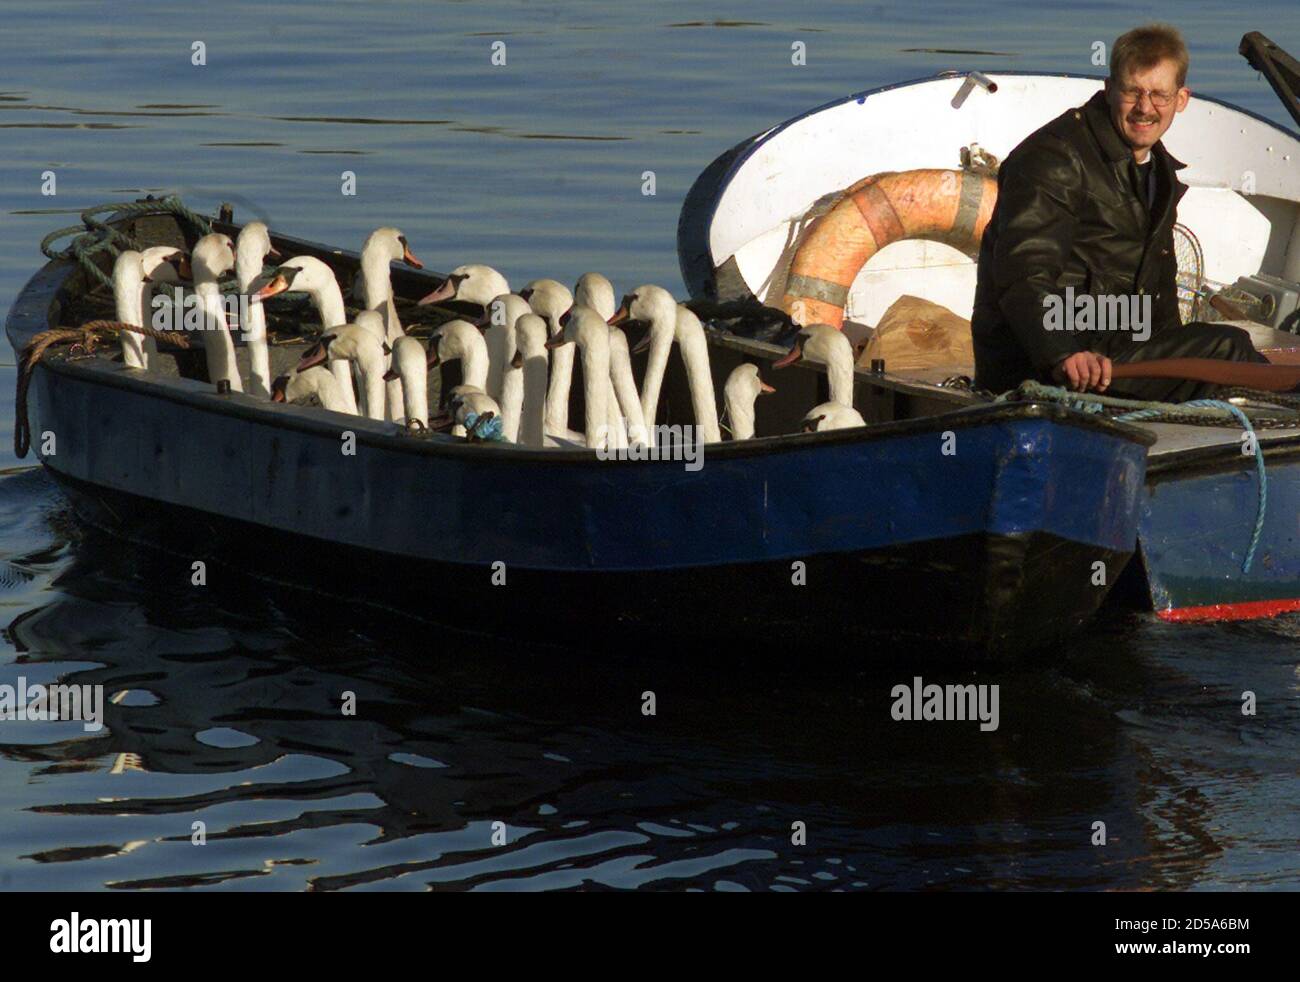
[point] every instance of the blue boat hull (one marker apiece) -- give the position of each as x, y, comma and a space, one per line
1197, 523
872, 533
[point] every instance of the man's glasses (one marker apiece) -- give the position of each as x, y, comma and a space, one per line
1132, 94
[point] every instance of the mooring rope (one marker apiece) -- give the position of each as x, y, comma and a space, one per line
93, 236
1197, 412
87, 336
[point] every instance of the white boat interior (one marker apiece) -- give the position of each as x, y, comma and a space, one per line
1243, 202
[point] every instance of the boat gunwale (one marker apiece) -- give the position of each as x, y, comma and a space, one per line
1220, 458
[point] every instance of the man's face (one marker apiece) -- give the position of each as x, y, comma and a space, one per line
1136, 116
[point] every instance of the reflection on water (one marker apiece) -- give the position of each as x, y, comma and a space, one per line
225, 704
225, 708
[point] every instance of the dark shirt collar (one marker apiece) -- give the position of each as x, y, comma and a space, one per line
1113, 145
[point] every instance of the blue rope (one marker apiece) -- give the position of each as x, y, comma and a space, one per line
1244, 420
490, 430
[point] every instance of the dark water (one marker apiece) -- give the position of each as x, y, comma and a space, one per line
226, 702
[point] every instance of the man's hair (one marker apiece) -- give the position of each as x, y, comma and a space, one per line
1145, 47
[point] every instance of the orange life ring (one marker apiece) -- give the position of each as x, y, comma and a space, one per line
950, 206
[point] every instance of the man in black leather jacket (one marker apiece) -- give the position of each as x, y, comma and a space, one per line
1088, 202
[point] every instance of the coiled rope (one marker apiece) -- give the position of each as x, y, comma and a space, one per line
86, 337
94, 236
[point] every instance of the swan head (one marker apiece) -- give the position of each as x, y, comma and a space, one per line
652, 306
830, 416
347, 341
505, 311
474, 283
408, 356
452, 340
530, 339
580, 325
302, 274
744, 385
213, 256
317, 354
595, 291
254, 244
390, 243
165, 264
128, 271
550, 298
818, 342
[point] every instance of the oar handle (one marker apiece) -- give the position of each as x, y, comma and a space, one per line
1252, 375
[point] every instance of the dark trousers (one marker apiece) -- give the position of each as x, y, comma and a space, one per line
1195, 340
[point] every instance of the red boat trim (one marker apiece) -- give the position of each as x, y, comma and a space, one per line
1231, 612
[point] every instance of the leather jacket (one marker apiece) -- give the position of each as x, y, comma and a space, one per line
1067, 215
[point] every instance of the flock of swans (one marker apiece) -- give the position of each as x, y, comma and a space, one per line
517, 360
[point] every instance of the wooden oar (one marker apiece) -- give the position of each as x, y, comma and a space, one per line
1251, 375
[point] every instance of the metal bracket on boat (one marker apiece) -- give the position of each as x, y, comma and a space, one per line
968, 86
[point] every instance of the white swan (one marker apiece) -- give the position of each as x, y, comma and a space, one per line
830, 416
587, 330
624, 410
695, 355
383, 247
743, 387
460, 339
251, 249
410, 363
505, 381
311, 276
128, 286
531, 359
134, 274
357, 344
552, 299
214, 257
654, 307
832, 348
300, 387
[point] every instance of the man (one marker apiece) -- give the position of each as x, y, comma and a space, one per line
1088, 202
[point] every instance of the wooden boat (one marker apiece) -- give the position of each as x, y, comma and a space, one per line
871, 533
1208, 546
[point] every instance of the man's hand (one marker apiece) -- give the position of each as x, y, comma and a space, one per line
1084, 370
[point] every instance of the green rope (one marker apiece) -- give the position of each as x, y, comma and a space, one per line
94, 236
1200, 413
